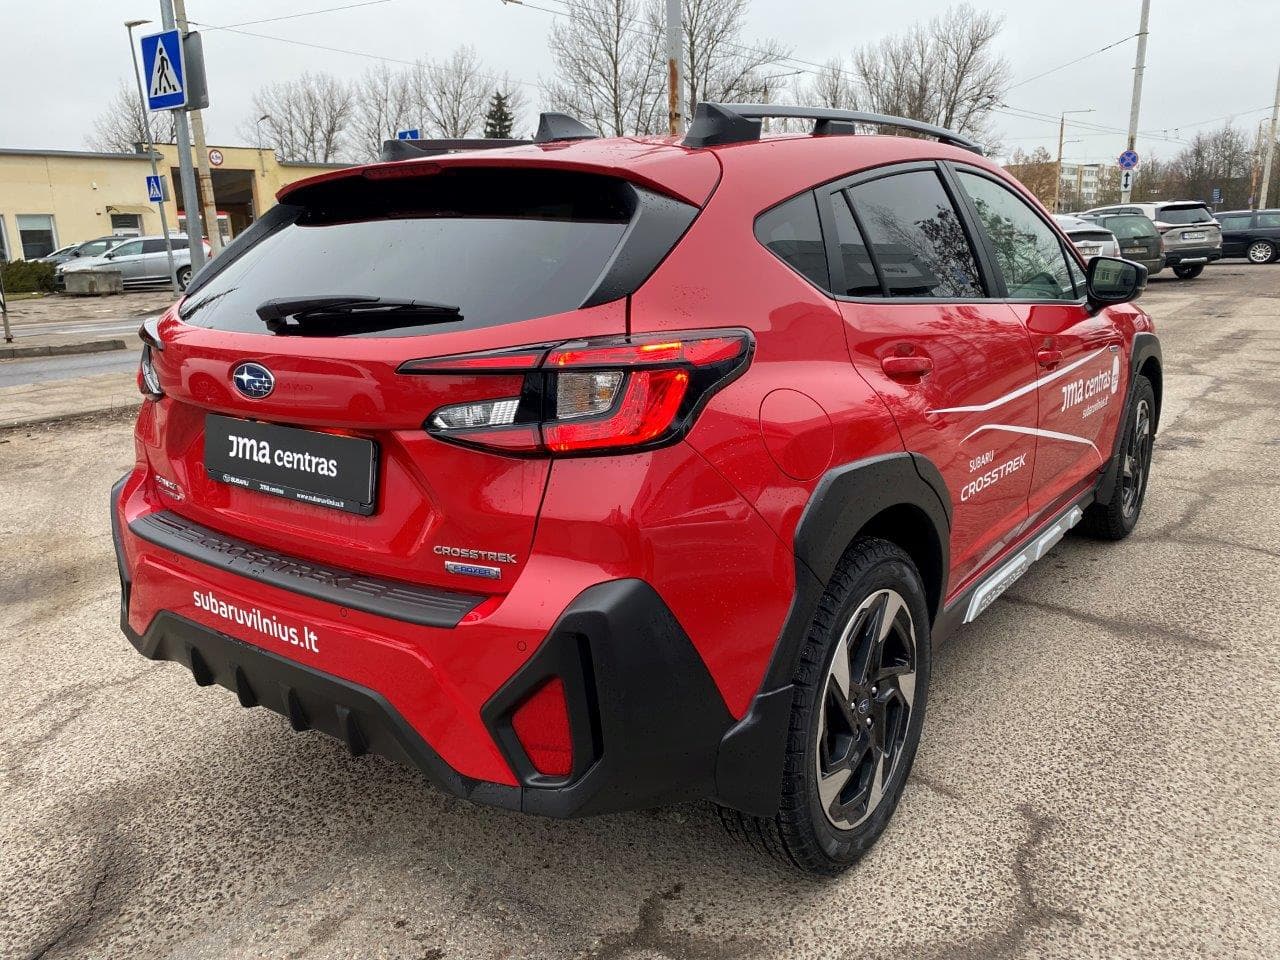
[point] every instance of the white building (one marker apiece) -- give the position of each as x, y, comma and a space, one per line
1080, 180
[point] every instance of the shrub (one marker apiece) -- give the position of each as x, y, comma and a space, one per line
22, 276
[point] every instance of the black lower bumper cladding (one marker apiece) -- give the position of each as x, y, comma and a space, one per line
648, 723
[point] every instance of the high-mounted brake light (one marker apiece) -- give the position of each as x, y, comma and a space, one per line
605, 394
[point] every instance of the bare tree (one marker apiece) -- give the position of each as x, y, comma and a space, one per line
1037, 171
718, 63
945, 71
451, 95
384, 105
610, 70
119, 128
832, 86
308, 119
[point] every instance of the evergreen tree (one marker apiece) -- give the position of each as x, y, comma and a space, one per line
499, 121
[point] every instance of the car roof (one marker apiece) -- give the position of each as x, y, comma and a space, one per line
778, 166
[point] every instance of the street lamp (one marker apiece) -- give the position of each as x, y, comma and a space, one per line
1062, 132
151, 148
257, 125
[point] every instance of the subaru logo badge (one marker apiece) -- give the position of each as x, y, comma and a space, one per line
253, 380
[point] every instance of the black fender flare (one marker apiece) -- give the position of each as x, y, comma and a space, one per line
1146, 347
846, 499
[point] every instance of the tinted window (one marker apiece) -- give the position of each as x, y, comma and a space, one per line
1269, 219
1131, 228
1029, 253
95, 248
916, 237
859, 275
501, 245
791, 232
1238, 222
154, 246
130, 249
1182, 215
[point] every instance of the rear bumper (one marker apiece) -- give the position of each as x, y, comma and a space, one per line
649, 725
1191, 255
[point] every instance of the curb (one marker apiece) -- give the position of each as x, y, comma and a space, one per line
119, 410
62, 349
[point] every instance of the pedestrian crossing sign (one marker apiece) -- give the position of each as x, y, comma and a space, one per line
155, 190
164, 70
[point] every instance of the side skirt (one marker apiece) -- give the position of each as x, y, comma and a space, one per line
977, 598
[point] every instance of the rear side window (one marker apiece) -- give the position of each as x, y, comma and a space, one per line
859, 275
1238, 222
131, 249
1184, 215
501, 245
791, 232
1131, 228
1269, 219
916, 237
1029, 253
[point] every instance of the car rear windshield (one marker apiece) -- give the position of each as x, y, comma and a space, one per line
1188, 214
501, 245
1131, 228
1089, 236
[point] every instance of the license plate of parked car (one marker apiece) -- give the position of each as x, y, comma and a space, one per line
320, 468
1197, 235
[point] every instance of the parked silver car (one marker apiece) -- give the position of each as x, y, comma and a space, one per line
1191, 234
141, 261
1089, 238
81, 251
1140, 240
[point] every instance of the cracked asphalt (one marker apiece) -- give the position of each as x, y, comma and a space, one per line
1098, 777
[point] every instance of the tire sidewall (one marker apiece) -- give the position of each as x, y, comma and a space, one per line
1142, 391
184, 277
1266, 245
843, 846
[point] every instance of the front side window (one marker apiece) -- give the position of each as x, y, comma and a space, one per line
130, 249
35, 232
95, 248
791, 232
916, 237
1028, 251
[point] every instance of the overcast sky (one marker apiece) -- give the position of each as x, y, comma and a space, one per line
60, 59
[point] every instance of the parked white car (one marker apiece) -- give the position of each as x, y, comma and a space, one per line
142, 261
1091, 239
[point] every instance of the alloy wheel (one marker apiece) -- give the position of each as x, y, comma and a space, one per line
1137, 459
867, 699
1261, 252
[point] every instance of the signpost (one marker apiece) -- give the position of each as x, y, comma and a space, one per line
412, 134
4, 310
1126, 182
165, 68
1128, 160
1216, 196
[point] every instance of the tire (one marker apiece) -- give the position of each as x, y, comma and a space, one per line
1189, 272
1115, 519
1261, 251
839, 790
184, 277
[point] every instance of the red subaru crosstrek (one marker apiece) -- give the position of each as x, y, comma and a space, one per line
587, 475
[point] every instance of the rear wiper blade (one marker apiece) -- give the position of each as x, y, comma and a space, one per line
350, 314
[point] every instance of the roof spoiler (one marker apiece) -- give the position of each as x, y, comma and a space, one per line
716, 124
552, 128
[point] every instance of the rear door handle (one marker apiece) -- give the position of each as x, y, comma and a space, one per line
1048, 358
905, 367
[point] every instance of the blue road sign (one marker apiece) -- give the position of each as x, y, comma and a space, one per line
414, 134
1128, 160
165, 71
1217, 195
155, 189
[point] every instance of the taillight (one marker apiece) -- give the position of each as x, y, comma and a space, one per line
541, 724
589, 396
148, 380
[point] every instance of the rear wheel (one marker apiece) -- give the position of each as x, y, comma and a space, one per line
1261, 251
184, 277
1115, 519
860, 691
1189, 272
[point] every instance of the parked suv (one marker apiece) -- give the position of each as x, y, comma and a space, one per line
590, 475
1253, 234
141, 261
1089, 238
1188, 229
1138, 237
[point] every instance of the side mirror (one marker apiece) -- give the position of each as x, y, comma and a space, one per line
1112, 280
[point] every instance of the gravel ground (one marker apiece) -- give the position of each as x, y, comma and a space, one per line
1098, 777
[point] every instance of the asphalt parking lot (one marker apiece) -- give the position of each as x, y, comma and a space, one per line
1098, 777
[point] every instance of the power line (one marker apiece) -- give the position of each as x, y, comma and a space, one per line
296, 16
1072, 63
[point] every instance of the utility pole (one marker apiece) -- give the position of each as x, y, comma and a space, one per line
675, 47
1057, 169
4, 309
1140, 66
1271, 149
151, 149
208, 205
190, 194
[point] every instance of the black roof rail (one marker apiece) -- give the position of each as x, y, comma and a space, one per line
721, 123
557, 127
416, 149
